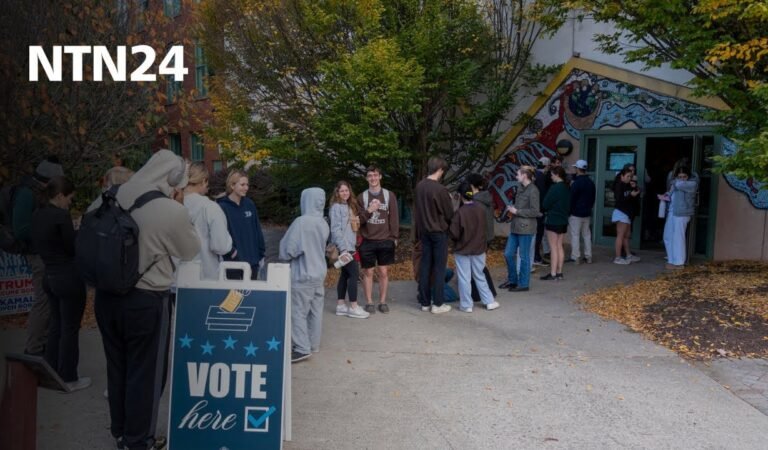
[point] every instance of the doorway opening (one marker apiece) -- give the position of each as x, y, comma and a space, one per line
661, 155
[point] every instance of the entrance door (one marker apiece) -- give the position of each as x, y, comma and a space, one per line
614, 151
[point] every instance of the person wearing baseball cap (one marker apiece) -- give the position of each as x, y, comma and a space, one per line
583, 194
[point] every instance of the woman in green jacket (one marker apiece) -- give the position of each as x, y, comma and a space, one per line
557, 204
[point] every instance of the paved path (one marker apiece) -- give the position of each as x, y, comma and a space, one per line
536, 373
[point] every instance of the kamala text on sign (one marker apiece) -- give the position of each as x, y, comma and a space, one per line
16, 291
229, 364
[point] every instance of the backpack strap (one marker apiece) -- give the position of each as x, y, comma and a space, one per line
384, 193
146, 198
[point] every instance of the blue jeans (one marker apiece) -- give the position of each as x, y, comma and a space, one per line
434, 259
470, 267
521, 243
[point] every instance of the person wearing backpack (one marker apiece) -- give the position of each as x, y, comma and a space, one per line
22, 202
135, 325
53, 238
380, 228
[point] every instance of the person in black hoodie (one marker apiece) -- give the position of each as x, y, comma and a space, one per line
624, 195
53, 238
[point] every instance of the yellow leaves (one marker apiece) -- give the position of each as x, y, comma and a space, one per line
701, 312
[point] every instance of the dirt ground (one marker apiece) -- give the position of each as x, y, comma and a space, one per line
702, 312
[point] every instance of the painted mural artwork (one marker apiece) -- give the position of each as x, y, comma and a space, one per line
755, 191
586, 101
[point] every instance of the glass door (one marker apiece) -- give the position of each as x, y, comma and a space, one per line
614, 152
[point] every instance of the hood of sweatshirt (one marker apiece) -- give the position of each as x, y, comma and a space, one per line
312, 202
162, 169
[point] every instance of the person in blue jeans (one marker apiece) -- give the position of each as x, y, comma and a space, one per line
524, 211
469, 249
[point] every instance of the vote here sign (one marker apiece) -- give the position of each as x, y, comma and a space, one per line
228, 367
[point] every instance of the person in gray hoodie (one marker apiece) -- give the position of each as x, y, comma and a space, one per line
209, 221
304, 247
134, 327
682, 206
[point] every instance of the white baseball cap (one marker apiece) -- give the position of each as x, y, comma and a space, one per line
544, 161
581, 164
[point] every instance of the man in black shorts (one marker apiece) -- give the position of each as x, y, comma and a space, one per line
380, 228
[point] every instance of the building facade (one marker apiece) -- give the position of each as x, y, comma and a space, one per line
599, 109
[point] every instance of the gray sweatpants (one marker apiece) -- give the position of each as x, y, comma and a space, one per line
306, 318
40, 314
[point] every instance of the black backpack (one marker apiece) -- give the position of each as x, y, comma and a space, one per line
107, 244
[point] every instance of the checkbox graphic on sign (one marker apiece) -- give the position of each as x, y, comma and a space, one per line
257, 418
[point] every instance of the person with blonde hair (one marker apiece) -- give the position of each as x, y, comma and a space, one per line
344, 225
522, 232
114, 177
243, 222
209, 221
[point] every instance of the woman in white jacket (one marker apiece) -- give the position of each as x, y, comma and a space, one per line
209, 221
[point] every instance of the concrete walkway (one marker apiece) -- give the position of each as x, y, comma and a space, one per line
536, 373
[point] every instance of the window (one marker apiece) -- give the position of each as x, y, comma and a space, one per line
198, 148
143, 7
172, 8
217, 166
174, 142
172, 89
201, 71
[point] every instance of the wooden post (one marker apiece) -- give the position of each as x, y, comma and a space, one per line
18, 412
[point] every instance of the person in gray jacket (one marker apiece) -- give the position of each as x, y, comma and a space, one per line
344, 225
682, 203
209, 221
524, 212
304, 247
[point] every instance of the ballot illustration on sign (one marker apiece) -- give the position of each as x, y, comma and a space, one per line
230, 315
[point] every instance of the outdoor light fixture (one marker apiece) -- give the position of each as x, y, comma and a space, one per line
564, 147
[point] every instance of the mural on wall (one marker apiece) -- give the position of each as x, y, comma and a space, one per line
586, 101
755, 191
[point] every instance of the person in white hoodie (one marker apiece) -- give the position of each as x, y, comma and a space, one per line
304, 247
210, 222
134, 327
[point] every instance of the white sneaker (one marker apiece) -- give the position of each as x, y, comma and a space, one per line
441, 309
466, 310
588, 260
343, 310
620, 260
356, 313
492, 306
81, 383
425, 308
634, 258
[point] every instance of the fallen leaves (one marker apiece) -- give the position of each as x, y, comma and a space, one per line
712, 310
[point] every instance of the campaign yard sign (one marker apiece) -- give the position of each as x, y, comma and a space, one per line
16, 292
230, 363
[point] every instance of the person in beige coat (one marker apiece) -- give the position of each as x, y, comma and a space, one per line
135, 326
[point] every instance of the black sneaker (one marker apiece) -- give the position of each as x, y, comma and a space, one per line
519, 289
570, 260
298, 356
160, 443
547, 277
370, 308
506, 285
383, 308
559, 276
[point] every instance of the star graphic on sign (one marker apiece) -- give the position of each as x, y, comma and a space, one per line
208, 348
229, 342
273, 344
250, 349
186, 341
